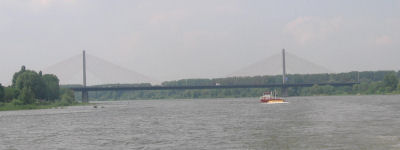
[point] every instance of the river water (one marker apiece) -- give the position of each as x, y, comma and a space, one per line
331, 122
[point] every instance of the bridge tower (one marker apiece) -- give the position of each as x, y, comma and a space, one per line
85, 94
284, 88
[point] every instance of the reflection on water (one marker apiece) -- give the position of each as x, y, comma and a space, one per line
334, 122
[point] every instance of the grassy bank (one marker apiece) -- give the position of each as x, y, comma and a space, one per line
11, 106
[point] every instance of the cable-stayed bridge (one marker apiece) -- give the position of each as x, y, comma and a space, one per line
272, 65
98, 70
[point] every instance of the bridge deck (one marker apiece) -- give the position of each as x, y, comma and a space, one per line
118, 88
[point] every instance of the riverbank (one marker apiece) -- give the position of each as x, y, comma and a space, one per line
11, 106
235, 96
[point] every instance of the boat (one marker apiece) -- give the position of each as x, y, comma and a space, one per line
270, 98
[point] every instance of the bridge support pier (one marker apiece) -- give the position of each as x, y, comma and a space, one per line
85, 96
284, 91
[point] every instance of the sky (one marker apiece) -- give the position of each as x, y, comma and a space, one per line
174, 39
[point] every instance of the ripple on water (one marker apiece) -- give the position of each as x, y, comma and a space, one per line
333, 122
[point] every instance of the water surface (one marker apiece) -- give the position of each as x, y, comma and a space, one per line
332, 122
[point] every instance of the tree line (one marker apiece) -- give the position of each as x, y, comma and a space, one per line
31, 87
371, 82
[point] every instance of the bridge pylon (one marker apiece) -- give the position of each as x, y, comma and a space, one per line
284, 78
85, 94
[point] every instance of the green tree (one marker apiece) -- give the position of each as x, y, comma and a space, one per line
10, 94
16, 75
1, 93
390, 82
316, 90
52, 87
67, 96
30, 79
27, 96
398, 88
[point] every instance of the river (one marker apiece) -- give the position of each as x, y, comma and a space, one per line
326, 122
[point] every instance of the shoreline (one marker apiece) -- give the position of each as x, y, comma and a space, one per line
12, 107
243, 97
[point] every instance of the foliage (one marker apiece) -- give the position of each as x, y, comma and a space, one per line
44, 87
31, 90
67, 96
398, 87
390, 81
10, 94
1, 93
52, 87
17, 102
16, 75
32, 80
27, 96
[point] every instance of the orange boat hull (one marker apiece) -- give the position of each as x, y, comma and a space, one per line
272, 100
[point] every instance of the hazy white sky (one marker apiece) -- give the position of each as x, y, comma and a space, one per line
172, 39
